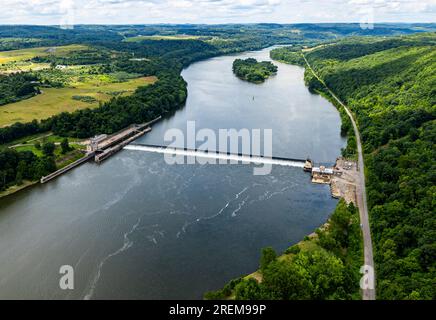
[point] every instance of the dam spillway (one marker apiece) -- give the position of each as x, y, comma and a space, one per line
223, 156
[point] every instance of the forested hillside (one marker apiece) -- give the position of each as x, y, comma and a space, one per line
390, 85
16, 87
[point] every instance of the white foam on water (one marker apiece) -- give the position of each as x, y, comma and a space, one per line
188, 224
217, 156
127, 243
240, 206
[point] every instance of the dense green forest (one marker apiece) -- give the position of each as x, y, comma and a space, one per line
16, 87
390, 85
253, 71
288, 55
82, 57
23, 165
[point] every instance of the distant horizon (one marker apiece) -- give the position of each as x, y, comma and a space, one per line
125, 12
211, 24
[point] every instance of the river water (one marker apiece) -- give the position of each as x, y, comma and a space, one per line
136, 227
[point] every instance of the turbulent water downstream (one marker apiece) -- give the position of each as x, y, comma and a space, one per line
135, 227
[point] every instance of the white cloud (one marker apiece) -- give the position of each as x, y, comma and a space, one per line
214, 11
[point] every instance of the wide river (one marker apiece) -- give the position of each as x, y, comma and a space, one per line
136, 227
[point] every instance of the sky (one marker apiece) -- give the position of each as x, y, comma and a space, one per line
55, 12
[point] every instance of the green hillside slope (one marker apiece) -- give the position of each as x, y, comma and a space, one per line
390, 85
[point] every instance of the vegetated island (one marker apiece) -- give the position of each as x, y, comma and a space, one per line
253, 71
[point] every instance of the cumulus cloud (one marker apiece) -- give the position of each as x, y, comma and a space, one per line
213, 11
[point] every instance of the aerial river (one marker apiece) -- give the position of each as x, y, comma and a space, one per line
136, 227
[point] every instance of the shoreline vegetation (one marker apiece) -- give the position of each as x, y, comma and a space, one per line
37, 157
253, 71
324, 265
15, 188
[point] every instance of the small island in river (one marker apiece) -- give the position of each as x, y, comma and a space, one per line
253, 71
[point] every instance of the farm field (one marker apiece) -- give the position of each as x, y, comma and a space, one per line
19, 60
26, 54
162, 37
22, 66
82, 95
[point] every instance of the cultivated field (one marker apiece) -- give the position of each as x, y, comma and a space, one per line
19, 60
26, 54
51, 101
159, 37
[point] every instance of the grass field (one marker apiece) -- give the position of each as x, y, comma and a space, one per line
57, 152
19, 40
18, 60
26, 54
55, 100
158, 37
22, 66
28, 139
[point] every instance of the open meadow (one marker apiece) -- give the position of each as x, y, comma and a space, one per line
162, 37
81, 95
26, 54
20, 60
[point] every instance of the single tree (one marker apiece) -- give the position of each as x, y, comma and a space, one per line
65, 146
268, 256
48, 149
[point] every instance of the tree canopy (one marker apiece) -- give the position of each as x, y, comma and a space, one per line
252, 70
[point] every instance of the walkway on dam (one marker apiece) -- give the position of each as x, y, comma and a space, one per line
223, 156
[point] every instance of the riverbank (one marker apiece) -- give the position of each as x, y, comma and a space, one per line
13, 189
33, 148
324, 265
76, 155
